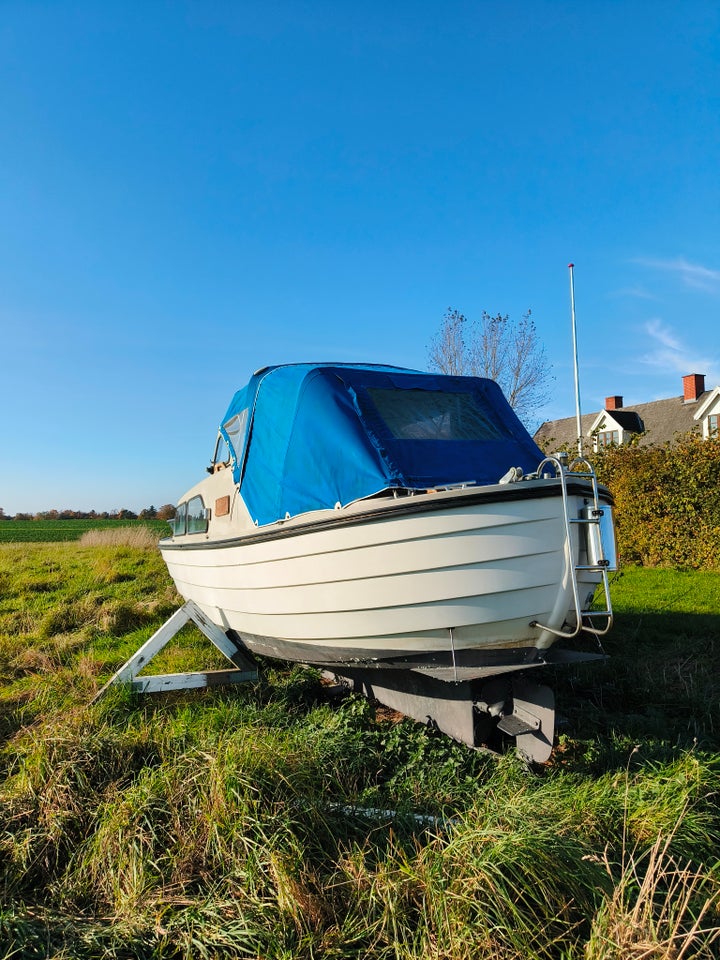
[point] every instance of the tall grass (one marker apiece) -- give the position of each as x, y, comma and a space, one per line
660, 907
140, 538
229, 823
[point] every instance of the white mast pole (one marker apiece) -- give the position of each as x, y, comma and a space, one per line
571, 267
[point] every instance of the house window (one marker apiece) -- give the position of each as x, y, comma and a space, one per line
608, 437
713, 425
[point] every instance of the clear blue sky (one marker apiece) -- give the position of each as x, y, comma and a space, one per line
192, 190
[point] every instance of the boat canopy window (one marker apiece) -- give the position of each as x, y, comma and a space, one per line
434, 415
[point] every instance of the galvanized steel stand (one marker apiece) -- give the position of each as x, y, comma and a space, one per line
245, 670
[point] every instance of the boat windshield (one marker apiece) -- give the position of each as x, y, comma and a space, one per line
222, 453
235, 431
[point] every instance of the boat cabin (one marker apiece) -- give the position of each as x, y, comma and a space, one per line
305, 437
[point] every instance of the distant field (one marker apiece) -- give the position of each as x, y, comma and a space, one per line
45, 531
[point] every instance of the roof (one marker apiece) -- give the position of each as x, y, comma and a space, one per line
313, 436
659, 420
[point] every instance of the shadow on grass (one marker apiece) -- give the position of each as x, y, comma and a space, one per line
659, 687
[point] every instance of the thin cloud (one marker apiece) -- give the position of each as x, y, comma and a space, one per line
638, 292
668, 353
691, 274
664, 335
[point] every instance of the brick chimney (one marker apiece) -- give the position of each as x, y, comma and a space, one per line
693, 386
613, 403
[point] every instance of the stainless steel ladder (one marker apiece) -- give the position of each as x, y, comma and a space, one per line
596, 556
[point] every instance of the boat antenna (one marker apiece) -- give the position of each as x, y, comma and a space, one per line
571, 267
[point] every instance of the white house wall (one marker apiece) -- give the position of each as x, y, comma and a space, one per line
710, 407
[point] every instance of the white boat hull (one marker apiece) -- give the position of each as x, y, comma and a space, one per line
437, 582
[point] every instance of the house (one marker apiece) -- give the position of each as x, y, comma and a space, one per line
651, 423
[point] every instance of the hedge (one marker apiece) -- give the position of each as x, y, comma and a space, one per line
667, 501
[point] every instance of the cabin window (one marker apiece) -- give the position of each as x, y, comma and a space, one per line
713, 425
608, 437
434, 415
197, 518
180, 519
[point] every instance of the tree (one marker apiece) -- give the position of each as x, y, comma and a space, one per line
166, 512
507, 351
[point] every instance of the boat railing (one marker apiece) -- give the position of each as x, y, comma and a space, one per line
596, 520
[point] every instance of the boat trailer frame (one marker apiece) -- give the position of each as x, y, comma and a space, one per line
244, 669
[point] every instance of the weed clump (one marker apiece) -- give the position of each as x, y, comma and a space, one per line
137, 538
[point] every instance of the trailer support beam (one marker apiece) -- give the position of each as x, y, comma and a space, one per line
244, 669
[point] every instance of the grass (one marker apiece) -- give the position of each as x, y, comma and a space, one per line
230, 822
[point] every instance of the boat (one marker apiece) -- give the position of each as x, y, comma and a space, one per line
402, 532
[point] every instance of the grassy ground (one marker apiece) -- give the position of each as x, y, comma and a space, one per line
258, 821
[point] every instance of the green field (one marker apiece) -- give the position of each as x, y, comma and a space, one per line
265, 821
45, 531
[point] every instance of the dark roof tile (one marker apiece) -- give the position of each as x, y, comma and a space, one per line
627, 419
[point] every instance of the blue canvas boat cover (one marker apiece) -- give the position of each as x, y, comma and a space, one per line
311, 436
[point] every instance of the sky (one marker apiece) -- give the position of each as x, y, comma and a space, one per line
192, 190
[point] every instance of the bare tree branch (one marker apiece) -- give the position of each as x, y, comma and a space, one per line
447, 351
507, 351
